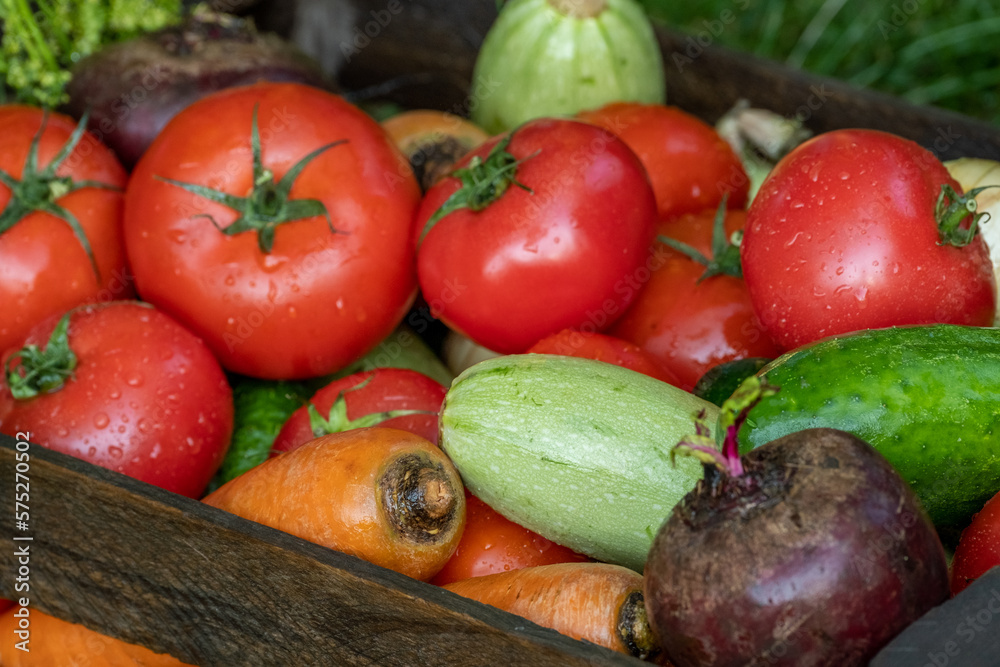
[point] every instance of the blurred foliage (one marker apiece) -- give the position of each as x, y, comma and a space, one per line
41, 39
937, 52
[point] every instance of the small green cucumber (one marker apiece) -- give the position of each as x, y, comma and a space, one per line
926, 396
573, 449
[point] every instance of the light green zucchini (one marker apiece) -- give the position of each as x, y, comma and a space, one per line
573, 449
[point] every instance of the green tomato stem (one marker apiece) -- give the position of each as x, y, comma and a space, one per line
952, 209
725, 259
42, 370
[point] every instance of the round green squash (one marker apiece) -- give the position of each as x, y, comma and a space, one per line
558, 57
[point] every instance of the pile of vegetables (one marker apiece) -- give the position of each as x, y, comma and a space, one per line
690, 400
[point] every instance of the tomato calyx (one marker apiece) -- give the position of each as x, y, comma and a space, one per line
725, 259
336, 421
39, 190
951, 209
483, 182
42, 370
734, 412
267, 206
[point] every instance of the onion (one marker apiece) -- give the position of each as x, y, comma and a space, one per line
133, 88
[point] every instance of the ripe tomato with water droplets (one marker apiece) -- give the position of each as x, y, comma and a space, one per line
862, 229
274, 221
60, 224
123, 386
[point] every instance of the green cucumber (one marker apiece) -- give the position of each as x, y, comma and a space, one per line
574, 449
260, 409
927, 397
719, 382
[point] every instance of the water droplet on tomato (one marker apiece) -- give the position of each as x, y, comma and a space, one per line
144, 425
101, 420
157, 448
272, 263
340, 303
844, 175
177, 235
839, 271
292, 312
91, 451
841, 289
115, 452
62, 432
861, 293
230, 280
134, 380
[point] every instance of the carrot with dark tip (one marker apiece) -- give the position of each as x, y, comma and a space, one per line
384, 495
596, 602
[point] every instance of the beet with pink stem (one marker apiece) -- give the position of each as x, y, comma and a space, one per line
810, 550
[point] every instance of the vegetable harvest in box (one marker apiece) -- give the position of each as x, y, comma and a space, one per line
692, 396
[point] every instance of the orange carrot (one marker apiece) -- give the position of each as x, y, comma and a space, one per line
598, 602
432, 140
54, 642
384, 495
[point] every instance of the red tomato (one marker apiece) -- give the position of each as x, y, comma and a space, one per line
691, 326
318, 299
146, 398
369, 394
601, 347
531, 263
843, 236
978, 550
491, 543
44, 268
690, 165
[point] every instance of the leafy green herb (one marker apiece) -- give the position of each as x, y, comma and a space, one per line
43, 39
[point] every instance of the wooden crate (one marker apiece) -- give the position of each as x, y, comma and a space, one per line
157, 569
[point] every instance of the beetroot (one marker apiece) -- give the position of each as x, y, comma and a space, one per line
133, 88
810, 550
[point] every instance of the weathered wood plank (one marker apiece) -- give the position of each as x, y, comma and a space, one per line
153, 568
710, 83
963, 632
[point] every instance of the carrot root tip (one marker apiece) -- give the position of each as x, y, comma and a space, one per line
633, 628
419, 498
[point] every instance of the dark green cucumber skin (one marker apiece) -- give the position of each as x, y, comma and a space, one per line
719, 382
260, 409
927, 397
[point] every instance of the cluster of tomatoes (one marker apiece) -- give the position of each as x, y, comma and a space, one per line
277, 231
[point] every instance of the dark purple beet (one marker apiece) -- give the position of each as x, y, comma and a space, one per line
133, 88
818, 554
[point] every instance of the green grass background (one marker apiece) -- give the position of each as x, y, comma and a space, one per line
932, 52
